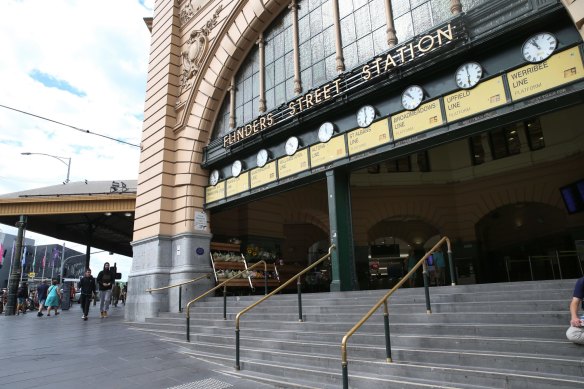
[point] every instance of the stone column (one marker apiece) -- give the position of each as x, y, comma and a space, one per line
455, 7
338, 37
232, 103
262, 68
390, 30
297, 81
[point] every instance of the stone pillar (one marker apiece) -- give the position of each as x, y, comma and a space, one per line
262, 69
455, 7
576, 10
390, 30
297, 80
338, 37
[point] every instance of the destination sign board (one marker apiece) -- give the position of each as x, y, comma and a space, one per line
237, 185
291, 165
322, 153
215, 193
409, 123
367, 138
263, 175
559, 69
486, 95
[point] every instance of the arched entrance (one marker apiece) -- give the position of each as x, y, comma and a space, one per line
525, 241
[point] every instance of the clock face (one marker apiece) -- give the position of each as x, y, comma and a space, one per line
412, 97
539, 47
262, 157
325, 132
365, 116
291, 145
236, 168
214, 177
468, 75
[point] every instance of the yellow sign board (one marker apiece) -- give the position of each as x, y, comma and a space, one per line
326, 152
290, 165
559, 69
486, 95
367, 138
238, 184
31, 275
409, 123
215, 193
263, 175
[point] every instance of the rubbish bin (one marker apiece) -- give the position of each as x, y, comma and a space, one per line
66, 296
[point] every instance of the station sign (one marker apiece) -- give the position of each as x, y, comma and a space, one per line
423, 118
215, 193
485, 96
290, 165
263, 175
237, 185
322, 153
559, 69
363, 139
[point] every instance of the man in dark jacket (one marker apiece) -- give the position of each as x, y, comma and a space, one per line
105, 281
87, 289
42, 296
21, 295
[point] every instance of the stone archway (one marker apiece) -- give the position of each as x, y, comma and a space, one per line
514, 236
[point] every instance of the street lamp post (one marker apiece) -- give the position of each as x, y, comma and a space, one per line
61, 159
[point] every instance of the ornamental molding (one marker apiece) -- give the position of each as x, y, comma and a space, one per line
189, 8
197, 47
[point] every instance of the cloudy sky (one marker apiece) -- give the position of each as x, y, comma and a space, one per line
79, 62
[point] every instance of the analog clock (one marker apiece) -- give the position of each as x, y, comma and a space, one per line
539, 47
236, 168
214, 177
325, 132
262, 157
365, 116
468, 75
412, 97
292, 145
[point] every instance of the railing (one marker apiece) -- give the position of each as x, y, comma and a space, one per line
557, 258
224, 285
299, 288
179, 288
383, 300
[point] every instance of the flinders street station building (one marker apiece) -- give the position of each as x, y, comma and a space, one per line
276, 128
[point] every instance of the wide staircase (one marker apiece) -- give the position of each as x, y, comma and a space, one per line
506, 335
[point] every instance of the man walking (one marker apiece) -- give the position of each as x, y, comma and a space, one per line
105, 280
87, 289
42, 296
576, 331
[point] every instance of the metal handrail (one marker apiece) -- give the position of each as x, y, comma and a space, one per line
298, 286
180, 284
224, 283
383, 300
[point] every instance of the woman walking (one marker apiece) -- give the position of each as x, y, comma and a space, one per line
53, 298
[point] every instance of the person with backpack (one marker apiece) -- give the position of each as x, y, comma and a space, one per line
105, 281
53, 298
21, 295
42, 290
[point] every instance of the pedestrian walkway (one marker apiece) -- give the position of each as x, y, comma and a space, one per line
67, 352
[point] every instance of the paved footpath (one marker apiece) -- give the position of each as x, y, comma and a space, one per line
67, 352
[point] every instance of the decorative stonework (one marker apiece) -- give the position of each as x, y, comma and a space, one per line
189, 8
197, 46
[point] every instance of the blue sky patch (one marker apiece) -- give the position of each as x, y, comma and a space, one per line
53, 82
15, 143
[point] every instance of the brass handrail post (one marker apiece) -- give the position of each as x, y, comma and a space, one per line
224, 302
426, 277
386, 327
383, 300
285, 284
299, 288
223, 284
453, 279
179, 285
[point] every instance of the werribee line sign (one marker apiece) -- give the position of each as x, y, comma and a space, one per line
382, 65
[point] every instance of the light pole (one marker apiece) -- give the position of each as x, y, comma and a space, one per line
61, 159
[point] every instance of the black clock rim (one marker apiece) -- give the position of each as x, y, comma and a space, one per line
534, 35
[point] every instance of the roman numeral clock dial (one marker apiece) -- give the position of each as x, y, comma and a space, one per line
539, 47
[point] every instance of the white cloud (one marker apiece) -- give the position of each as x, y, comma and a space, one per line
97, 47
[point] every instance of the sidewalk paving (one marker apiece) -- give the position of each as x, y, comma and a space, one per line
67, 352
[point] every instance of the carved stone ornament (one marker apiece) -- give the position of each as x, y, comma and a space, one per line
194, 54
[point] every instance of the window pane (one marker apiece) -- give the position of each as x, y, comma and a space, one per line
315, 22
380, 41
247, 90
318, 74
423, 161
280, 94
269, 76
365, 48
477, 151
329, 41
248, 112
327, 13
269, 52
351, 59
404, 28
403, 164
331, 67
400, 7
280, 71
362, 22
270, 103
348, 30
377, 12
306, 76
317, 48
534, 134
289, 89
422, 17
345, 8
498, 144
303, 29
513, 142
290, 64
255, 85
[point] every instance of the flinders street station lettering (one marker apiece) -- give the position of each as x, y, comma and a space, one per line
395, 58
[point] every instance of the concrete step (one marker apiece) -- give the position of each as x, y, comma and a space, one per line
545, 332
366, 373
